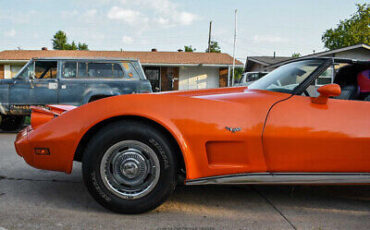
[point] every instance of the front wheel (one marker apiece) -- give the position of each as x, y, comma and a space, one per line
129, 167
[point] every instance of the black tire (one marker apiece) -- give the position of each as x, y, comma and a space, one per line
11, 122
99, 148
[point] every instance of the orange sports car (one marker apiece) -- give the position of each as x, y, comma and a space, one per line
307, 122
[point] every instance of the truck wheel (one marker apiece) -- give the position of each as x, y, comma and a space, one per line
11, 122
129, 167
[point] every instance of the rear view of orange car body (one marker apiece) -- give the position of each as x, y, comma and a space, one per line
301, 124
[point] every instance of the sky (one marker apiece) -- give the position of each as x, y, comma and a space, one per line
263, 26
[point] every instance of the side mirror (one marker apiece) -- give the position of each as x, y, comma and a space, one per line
31, 75
326, 91
31, 78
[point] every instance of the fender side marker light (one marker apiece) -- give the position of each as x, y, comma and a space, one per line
42, 151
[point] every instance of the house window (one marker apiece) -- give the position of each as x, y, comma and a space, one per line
14, 69
7, 72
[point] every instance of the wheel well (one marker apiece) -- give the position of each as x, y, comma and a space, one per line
98, 97
86, 138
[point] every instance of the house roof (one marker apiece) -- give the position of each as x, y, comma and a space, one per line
155, 58
326, 53
263, 60
267, 60
329, 52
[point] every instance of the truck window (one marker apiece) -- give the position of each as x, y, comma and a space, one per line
100, 70
82, 70
117, 71
104, 70
45, 69
27, 71
69, 69
131, 71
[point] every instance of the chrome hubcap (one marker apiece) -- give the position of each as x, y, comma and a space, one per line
130, 169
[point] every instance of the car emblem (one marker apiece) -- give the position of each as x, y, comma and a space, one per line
233, 130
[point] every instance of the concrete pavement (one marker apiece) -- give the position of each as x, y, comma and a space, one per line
36, 199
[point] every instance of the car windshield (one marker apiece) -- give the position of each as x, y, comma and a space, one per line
287, 77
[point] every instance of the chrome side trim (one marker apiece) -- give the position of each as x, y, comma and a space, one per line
284, 178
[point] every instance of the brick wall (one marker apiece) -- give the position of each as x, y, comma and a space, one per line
1, 71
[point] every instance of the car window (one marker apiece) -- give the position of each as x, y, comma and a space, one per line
130, 70
287, 77
82, 70
45, 70
325, 78
92, 70
117, 71
26, 72
100, 70
69, 69
252, 77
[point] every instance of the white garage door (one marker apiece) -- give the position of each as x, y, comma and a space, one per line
198, 78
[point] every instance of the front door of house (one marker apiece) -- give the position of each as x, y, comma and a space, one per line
153, 75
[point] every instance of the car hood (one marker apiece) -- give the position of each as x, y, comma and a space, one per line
203, 92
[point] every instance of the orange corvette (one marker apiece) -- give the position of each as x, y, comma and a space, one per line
307, 122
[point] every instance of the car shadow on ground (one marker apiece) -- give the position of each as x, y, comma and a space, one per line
201, 199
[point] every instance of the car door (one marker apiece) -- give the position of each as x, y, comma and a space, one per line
301, 136
38, 86
73, 80
19, 92
45, 85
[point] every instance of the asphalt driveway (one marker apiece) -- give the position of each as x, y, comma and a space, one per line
36, 199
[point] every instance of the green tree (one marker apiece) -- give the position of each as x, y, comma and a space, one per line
189, 49
83, 46
214, 47
296, 55
238, 73
60, 43
73, 46
352, 31
60, 40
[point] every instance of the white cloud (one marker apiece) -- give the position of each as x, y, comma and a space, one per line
186, 18
128, 16
269, 39
10, 33
153, 12
127, 39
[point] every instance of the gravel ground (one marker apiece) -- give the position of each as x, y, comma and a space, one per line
36, 199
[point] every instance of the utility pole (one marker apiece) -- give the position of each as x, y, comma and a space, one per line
209, 37
234, 50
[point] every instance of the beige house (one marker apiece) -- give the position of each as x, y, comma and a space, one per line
165, 70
